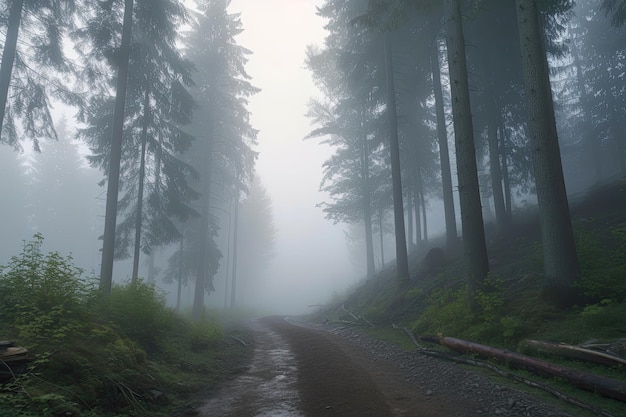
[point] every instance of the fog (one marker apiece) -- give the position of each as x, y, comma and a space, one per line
298, 259
311, 261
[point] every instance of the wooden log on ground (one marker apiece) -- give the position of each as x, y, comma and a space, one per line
574, 352
602, 385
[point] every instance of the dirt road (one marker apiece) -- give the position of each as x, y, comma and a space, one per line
298, 371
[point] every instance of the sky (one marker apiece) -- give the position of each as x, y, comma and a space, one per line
312, 257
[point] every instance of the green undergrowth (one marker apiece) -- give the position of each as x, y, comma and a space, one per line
123, 355
509, 307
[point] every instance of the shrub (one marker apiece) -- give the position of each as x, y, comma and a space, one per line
44, 297
137, 310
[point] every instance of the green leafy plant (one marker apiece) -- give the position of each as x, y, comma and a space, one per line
490, 299
43, 296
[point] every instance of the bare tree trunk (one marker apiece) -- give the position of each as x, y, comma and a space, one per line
233, 284
598, 384
180, 266
110, 219
8, 54
201, 265
505, 174
367, 207
227, 258
380, 226
474, 245
410, 213
142, 178
420, 182
157, 187
444, 154
494, 163
402, 259
559, 249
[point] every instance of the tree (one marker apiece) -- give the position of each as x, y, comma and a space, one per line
222, 152
559, 249
350, 73
159, 105
402, 261
154, 188
444, 155
110, 217
32, 55
474, 244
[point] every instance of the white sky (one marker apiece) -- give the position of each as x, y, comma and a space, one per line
312, 254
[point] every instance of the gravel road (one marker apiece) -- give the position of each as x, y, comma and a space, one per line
304, 370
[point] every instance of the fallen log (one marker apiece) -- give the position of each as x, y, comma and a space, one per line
574, 352
475, 362
602, 385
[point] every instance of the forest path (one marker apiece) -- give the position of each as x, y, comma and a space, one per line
298, 371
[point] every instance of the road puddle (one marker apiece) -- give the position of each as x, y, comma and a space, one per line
267, 389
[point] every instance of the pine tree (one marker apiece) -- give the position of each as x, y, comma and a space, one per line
222, 152
557, 237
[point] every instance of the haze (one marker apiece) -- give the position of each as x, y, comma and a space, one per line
306, 259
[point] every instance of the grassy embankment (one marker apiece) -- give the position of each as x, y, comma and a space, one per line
510, 306
126, 355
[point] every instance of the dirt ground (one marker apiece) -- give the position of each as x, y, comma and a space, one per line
337, 378
304, 369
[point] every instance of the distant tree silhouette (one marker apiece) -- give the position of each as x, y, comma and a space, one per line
222, 153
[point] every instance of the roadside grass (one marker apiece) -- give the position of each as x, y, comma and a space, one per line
124, 355
510, 306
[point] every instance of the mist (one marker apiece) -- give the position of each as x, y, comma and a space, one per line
302, 256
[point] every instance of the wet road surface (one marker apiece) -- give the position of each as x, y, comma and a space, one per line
297, 371
267, 389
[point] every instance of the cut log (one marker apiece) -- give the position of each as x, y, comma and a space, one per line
574, 352
602, 385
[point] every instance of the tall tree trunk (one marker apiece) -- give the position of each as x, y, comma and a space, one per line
227, 258
420, 182
142, 178
559, 249
8, 54
410, 213
180, 266
201, 265
508, 201
367, 208
233, 283
444, 154
157, 188
494, 162
380, 229
110, 218
402, 258
416, 212
474, 245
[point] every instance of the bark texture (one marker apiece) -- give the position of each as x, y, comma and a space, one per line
402, 258
8, 54
444, 153
559, 250
110, 219
474, 245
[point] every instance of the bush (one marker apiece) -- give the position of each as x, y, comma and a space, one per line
138, 311
44, 297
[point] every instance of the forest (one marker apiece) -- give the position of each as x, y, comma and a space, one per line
501, 119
